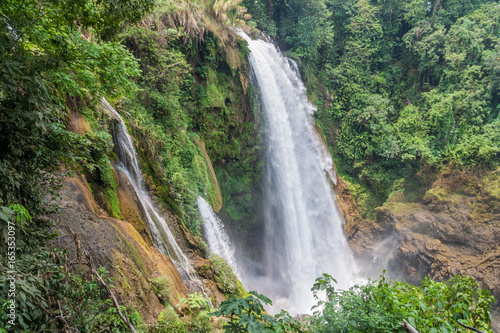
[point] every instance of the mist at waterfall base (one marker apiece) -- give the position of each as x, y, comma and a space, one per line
303, 226
163, 238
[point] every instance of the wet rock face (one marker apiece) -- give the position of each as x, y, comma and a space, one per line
118, 246
443, 244
125, 248
448, 233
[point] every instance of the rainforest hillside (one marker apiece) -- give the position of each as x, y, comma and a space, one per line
178, 76
407, 100
404, 89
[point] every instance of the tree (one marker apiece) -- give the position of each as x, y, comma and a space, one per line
51, 51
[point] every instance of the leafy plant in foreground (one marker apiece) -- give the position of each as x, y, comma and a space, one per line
379, 306
248, 315
196, 309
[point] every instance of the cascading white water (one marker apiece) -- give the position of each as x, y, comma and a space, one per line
303, 227
217, 238
162, 236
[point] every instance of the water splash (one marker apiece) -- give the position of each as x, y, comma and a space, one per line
303, 227
163, 238
217, 238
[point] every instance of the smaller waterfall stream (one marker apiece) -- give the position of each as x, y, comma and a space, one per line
217, 238
162, 236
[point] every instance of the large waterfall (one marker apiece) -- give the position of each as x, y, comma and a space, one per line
303, 227
162, 236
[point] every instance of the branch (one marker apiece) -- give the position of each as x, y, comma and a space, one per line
175, 64
408, 328
171, 65
53, 266
470, 327
112, 296
61, 317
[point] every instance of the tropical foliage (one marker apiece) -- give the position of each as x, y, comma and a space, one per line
404, 88
377, 306
248, 315
53, 52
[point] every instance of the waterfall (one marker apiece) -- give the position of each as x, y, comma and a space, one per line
303, 226
163, 238
294, 66
216, 236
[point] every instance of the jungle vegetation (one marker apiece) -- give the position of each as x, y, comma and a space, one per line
403, 88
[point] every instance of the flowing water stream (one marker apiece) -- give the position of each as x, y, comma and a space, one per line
303, 226
216, 236
162, 236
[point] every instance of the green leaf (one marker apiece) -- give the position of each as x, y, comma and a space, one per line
3, 216
265, 299
233, 306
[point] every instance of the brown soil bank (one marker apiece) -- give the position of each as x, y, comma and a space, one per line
453, 230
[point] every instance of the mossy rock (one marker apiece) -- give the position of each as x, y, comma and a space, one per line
105, 189
225, 278
437, 195
492, 186
402, 208
205, 271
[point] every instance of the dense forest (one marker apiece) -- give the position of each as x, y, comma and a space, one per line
405, 91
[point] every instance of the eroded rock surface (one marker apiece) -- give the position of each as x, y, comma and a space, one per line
451, 231
123, 247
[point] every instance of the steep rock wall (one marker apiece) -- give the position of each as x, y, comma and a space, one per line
116, 245
453, 230
119, 246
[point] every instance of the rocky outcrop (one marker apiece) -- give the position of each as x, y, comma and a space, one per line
116, 245
444, 242
454, 229
123, 247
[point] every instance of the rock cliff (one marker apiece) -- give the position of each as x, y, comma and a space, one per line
123, 247
453, 229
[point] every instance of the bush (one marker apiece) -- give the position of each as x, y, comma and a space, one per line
197, 313
248, 315
169, 322
162, 287
381, 306
201, 323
